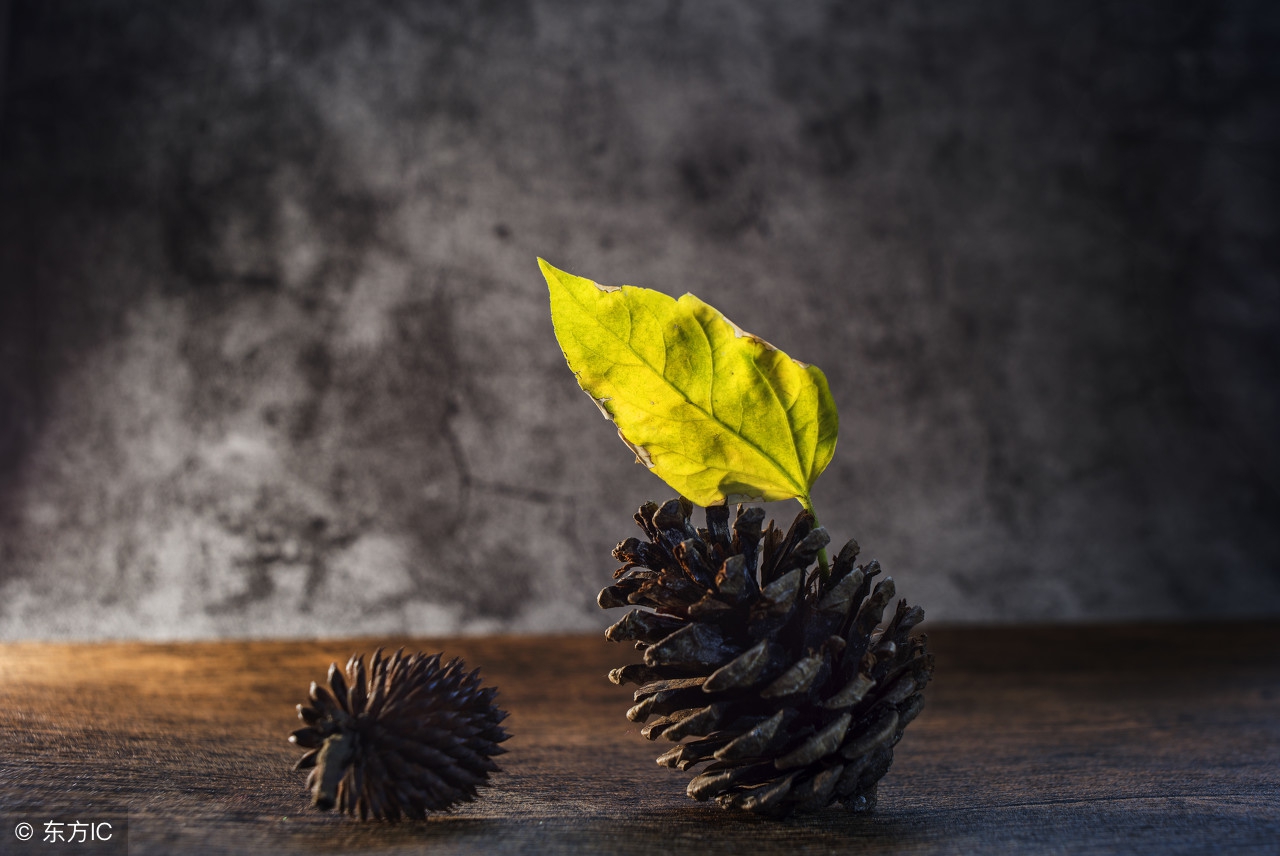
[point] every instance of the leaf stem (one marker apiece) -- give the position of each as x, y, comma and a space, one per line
823, 567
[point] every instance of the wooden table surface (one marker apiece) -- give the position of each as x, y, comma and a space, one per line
1125, 739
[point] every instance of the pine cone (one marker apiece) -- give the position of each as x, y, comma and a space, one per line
405, 737
792, 695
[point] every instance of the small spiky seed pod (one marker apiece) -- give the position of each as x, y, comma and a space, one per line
794, 697
402, 738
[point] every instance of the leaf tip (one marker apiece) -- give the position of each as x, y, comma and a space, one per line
552, 274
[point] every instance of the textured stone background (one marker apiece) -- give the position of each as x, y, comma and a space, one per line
276, 356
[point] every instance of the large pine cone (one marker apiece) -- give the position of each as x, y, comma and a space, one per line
793, 695
404, 737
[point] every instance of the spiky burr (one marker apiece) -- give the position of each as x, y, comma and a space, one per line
404, 737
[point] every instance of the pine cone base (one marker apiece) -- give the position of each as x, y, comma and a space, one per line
779, 678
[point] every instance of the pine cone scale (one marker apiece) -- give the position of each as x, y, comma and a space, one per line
852, 693
838, 599
817, 792
797, 679
878, 734
753, 742
715, 782
820, 745
338, 687
762, 662
698, 722
640, 626
693, 645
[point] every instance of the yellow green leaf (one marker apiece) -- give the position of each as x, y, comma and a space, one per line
718, 414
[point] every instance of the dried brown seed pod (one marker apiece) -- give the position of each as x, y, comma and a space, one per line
399, 739
792, 695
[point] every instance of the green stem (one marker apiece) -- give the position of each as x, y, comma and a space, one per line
823, 567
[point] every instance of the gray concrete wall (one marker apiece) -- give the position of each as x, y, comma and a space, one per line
276, 357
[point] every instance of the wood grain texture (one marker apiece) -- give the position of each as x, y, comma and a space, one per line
1134, 739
